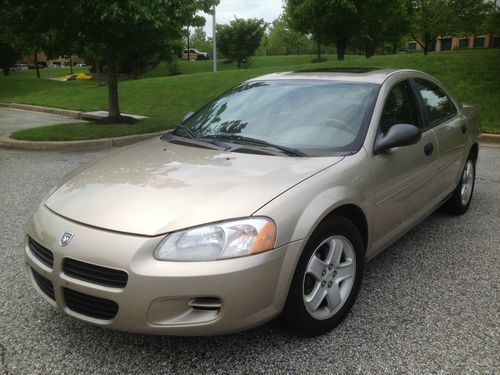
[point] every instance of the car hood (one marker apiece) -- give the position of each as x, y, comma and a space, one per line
158, 187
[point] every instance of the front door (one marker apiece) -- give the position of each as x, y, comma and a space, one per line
404, 177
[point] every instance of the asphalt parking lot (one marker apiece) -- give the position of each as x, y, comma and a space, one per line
13, 119
429, 304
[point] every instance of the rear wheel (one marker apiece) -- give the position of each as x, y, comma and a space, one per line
459, 202
327, 278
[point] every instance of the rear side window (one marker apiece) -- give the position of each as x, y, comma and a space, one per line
400, 107
438, 105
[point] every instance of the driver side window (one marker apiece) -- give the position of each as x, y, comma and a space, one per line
400, 108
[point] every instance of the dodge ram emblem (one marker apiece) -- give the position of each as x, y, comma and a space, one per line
65, 238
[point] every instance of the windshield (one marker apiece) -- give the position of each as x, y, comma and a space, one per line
302, 115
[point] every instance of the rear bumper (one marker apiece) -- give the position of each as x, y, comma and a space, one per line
174, 298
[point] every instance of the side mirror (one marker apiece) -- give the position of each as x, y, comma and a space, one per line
187, 115
398, 135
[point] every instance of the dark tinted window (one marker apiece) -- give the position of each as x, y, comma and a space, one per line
464, 43
400, 107
479, 42
438, 105
446, 44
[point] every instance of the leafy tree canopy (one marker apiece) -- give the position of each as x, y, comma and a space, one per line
113, 29
327, 20
239, 40
283, 40
381, 20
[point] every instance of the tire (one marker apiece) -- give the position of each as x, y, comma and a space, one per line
323, 283
459, 202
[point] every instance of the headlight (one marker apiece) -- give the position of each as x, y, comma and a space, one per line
228, 239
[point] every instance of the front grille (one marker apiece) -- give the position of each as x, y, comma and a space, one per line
43, 254
94, 307
95, 274
44, 284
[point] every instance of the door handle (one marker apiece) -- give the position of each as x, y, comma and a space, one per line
463, 128
429, 149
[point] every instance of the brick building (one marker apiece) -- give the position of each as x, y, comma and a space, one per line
448, 43
43, 60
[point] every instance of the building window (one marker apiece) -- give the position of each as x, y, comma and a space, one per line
412, 46
479, 42
446, 44
496, 42
463, 43
432, 46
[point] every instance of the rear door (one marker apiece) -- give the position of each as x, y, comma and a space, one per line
405, 178
441, 115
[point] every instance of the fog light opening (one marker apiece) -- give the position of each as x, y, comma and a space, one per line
206, 303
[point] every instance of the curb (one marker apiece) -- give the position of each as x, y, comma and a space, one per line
490, 138
93, 144
36, 108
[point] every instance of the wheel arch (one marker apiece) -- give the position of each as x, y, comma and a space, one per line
474, 151
355, 214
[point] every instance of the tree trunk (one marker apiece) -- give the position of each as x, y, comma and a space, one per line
319, 50
426, 44
98, 72
113, 104
341, 42
135, 71
369, 48
71, 64
188, 46
35, 59
5, 70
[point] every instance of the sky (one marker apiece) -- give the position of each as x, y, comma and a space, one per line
269, 10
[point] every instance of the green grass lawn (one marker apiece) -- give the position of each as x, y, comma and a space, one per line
471, 75
206, 66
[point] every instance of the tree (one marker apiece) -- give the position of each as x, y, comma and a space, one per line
430, 19
10, 50
492, 20
119, 28
469, 15
30, 22
381, 20
8, 57
327, 20
125, 27
239, 40
283, 40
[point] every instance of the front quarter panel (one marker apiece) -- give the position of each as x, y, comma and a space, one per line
298, 211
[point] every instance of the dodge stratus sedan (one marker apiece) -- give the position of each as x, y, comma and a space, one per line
266, 202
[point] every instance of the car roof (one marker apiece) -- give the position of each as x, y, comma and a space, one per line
366, 75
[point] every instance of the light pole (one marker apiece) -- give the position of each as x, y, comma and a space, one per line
214, 40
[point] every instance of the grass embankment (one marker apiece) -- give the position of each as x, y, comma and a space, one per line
471, 75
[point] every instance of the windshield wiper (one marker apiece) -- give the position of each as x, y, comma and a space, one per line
188, 131
258, 142
195, 141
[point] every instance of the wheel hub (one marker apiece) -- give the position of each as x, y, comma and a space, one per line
329, 277
467, 182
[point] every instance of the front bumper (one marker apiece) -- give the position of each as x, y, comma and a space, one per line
174, 298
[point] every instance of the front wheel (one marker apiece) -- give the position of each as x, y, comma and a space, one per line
459, 202
327, 278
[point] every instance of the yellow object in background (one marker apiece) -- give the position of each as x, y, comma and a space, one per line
76, 76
